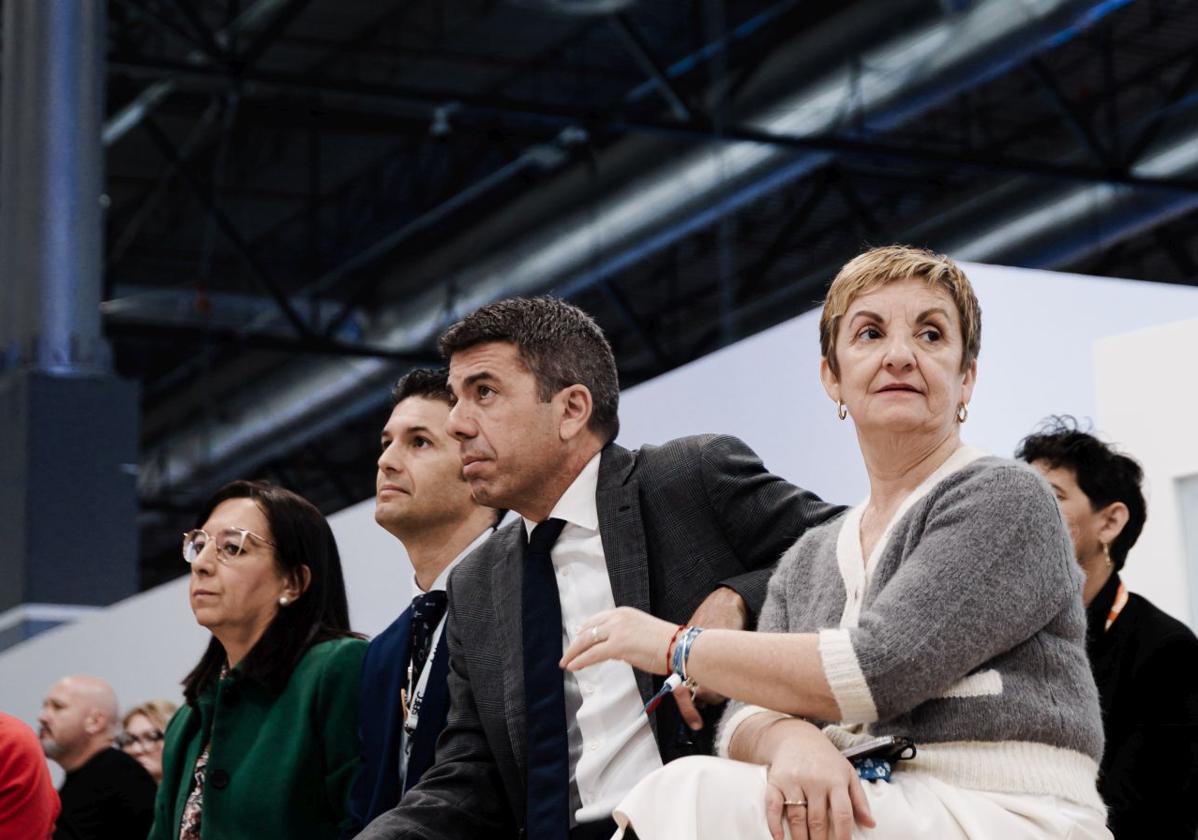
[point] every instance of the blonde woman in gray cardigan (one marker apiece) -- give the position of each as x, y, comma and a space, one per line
944, 609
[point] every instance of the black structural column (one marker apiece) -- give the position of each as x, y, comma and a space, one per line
68, 426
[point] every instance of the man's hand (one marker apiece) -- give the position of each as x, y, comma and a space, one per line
723, 609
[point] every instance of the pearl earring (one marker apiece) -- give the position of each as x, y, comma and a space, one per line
283, 601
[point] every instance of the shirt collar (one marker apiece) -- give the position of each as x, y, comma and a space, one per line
577, 505
443, 579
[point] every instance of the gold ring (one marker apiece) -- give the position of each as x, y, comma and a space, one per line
798, 803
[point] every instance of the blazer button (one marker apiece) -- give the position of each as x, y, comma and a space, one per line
219, 779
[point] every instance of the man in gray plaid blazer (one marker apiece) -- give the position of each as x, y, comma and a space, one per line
689, 531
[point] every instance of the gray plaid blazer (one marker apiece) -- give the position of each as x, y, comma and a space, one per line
677, 521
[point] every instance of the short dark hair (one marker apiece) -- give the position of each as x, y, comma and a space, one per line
559, 344
422, 382
1103, 474
302, 537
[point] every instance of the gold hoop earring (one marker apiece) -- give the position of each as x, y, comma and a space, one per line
842, 411
962, 413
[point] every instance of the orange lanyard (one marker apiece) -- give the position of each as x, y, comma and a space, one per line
1117, 607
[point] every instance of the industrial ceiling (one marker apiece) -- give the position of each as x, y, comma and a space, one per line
302, 193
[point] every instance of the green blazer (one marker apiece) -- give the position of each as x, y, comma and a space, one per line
280, 765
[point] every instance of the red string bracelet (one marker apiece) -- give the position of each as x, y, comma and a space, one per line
670, 646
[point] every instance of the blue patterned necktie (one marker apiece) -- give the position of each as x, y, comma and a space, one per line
427, 610
548, 804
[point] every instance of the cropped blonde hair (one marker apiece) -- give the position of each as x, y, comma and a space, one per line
158, 712
879, 266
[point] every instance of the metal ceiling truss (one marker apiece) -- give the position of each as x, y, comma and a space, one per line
700, 281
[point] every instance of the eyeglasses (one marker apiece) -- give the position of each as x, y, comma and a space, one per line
229, 545
145, 740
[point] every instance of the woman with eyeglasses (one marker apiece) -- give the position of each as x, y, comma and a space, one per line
266, 744
142, 731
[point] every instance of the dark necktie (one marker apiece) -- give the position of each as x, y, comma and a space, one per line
548, 806
427, 609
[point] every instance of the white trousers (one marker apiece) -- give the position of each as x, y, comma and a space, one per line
704, 798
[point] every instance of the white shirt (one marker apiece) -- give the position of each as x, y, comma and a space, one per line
611, 743
414, 702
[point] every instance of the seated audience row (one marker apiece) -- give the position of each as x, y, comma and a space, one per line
914, 665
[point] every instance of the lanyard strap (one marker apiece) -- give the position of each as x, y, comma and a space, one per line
1117, 607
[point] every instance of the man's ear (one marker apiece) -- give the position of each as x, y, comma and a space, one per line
95, 722
1112, 520
574, 406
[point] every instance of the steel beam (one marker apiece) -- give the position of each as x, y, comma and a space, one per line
689, 191
558, 117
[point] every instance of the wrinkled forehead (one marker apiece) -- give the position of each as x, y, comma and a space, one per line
493, 359
911, 296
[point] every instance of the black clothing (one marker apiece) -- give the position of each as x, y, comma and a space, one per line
111, 797
602, 830
1146, 667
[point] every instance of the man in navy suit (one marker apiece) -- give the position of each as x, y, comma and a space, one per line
422, 498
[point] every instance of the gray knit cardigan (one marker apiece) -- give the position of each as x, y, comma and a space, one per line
965, 631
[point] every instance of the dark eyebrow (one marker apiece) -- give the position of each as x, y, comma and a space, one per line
475, 377
415, 430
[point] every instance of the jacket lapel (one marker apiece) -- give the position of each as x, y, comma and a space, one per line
507, 582
619, 505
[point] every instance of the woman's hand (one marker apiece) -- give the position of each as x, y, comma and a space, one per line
805, 767
624, 633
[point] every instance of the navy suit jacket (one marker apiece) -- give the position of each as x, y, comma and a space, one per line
384, 676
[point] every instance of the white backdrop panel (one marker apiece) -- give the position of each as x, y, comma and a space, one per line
1039, 329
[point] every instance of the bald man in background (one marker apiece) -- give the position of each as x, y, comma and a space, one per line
107, 794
